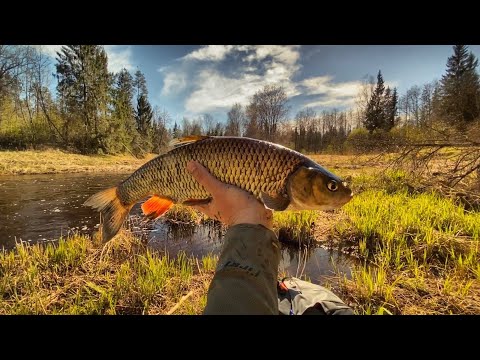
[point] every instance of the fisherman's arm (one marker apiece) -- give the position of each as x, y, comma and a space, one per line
245, 280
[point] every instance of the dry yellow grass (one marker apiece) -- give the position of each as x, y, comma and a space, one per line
412, 245
56, 161
78, 276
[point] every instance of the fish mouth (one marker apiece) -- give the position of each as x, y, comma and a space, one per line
349, 197
345, 200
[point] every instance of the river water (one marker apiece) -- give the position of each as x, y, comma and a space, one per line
42, 208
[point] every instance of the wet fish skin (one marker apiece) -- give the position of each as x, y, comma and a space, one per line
252, 165
279, 177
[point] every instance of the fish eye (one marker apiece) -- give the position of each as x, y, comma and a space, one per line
332, 185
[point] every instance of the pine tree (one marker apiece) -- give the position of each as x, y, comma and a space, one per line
374, 116
176, 132
390, 109
143, 115
386, 102
122, 126
140, 84
461, 87
83, 84
123, 95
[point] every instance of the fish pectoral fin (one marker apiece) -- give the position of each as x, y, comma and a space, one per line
156, 206
186, 140
192, 202
275, 202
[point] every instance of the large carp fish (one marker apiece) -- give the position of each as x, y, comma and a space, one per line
277, 176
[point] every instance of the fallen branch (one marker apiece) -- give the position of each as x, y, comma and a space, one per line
173, 309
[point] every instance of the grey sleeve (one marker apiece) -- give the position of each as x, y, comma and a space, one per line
245, 280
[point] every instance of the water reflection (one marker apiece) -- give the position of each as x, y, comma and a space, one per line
312, 262
39, 208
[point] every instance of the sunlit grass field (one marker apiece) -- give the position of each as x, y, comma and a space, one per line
420, 254
77, 276
56, 161
416, 251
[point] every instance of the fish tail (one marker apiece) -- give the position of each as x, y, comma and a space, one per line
113, 211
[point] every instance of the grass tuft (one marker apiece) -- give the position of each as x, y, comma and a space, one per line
121, 277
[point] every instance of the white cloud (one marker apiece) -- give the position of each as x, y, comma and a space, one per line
213, 84
288, 55
213, 90
173, 83
332, 93
325, 85
119, 58
210, 53
331, 102
340, 94
216, 91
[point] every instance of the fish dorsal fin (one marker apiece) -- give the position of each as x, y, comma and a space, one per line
186, 140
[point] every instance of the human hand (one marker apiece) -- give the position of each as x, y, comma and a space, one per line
230, 204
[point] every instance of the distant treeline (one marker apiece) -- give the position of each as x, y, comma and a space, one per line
96, 111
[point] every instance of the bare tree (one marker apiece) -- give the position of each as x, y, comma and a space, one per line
12, 65
26, 101
219, 129
426, 107
251, 125
414, 97
364, 95
410, 106
236, 119
186, 126
208, 124
305, 129
269, 106
161, 119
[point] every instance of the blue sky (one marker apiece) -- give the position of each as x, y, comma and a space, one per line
193, 80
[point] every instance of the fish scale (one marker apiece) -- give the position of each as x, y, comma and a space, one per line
243, 162
279, 177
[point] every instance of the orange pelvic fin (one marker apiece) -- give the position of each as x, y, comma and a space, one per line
156, 206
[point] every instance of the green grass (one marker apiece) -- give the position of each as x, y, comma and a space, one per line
295, 226
420, 253
183, 215
209, 262
122, 277
418, 250
390, 181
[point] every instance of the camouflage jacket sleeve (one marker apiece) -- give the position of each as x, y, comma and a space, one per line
245, 280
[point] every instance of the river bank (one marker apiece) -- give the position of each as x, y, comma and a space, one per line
78, 276
56, 161
417, 250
